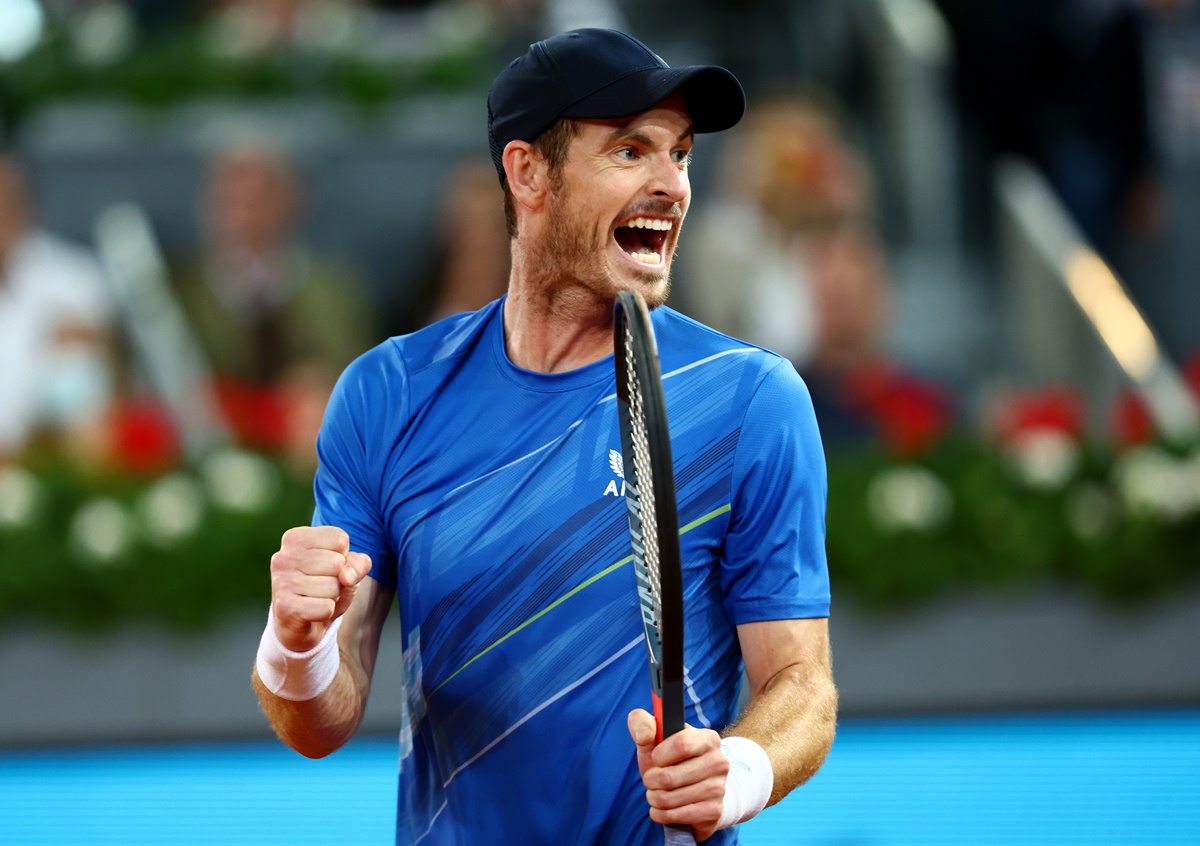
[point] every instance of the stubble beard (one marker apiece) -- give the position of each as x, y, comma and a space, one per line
573, 255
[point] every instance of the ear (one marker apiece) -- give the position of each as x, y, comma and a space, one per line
526, 173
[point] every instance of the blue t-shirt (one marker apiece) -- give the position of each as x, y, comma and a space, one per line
490, 498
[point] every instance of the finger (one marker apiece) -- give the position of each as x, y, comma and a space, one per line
302, 583
691, 793
297, 613
356, 568
310, 562
316, 537
692, 771
689, 743
702, 817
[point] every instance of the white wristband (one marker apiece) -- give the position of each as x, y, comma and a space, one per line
298, 676
749, 783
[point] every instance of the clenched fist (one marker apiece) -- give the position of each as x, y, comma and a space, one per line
314, 576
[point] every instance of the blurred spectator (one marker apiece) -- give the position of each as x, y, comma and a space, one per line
473, 262
55, 331
860, 392
789, 258
269, 313
786, 176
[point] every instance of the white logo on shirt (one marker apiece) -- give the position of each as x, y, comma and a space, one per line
618, 467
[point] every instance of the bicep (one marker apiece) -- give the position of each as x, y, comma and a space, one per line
771, 647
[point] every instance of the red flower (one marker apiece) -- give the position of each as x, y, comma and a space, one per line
1061, 409
144, 441
258, 416
909, 414
1131, 421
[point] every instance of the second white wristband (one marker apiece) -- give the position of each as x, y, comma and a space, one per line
749, 783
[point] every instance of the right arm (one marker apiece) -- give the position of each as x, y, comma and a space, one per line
315, 579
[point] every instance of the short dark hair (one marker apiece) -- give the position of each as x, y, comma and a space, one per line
553, 146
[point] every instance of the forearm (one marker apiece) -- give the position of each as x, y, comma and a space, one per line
793, 718
317, 727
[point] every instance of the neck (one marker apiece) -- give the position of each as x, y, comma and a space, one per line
552, 324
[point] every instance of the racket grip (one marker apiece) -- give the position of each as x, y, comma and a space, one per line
679, 835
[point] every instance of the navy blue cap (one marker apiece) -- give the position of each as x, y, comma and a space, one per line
601, 73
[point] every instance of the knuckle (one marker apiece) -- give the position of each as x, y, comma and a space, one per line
292, 536
720, 763
281, 562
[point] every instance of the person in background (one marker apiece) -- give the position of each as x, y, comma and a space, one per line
56, 331
269, 313
860, 392
471, 260
786, 177
795, 224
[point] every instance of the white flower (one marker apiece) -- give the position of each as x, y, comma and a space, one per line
103, 33
1154, 483
240, 481
171, 510
20, 496
1091, 512
101, 532
909, 497
1044, 458
328, 27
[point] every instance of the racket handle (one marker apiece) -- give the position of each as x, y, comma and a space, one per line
679, 835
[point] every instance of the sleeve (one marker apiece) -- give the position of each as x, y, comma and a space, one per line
774, 564
348, 482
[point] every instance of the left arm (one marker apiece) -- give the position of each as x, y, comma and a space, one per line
792, 715
793, 703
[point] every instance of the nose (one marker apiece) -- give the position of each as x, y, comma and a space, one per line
669, 181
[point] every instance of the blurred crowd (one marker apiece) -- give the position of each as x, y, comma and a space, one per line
789, 243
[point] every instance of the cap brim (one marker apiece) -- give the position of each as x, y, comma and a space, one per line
713, 95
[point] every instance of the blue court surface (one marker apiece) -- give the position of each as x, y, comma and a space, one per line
1111, 778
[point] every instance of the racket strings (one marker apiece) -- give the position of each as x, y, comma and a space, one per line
644, 481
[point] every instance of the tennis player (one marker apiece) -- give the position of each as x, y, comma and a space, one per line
471, 472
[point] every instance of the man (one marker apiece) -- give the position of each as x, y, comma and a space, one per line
469, 469
263, 304
56, 328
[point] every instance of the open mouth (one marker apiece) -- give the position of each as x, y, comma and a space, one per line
644, 239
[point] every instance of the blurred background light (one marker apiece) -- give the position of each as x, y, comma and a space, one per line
21, 23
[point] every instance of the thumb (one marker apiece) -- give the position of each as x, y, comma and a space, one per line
643, 730
355, 570
351, 575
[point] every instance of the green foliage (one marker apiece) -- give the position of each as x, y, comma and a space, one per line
962, 517
181, 66
991, 527
59, 568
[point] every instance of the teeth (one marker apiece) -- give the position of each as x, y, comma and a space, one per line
646, 258
650, 223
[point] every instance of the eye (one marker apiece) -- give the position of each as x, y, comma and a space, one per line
627, 153
683, 157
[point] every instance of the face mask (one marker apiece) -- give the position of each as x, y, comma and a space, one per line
77, 385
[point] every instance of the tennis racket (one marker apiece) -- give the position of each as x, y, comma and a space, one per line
653, 519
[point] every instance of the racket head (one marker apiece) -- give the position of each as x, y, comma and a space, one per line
651, 504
